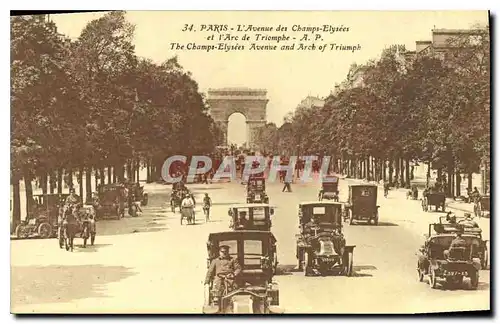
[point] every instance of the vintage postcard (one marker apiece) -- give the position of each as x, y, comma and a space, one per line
265, 162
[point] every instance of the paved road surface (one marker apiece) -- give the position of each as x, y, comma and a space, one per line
152, 264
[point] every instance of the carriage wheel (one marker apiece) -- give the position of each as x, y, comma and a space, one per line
44, 230
22, 231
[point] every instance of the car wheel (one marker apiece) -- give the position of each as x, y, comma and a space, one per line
351, 218
484, 261
307, 264
432, 279
349, 264
21, 231
474, 279
420, 273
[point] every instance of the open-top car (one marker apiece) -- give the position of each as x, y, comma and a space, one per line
321, 246
251, 217
42, 220
112, 199
362, 204
441, 262
455, 224
256, 190
255, 292
329, 188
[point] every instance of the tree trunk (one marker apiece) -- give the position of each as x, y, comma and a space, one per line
408, 177
44, 182
88, 184
138, 169
59, 180
428, 176
70, 178
369, 168
109, 174
16, 204
148, 171
469, 180
80, 182
402, 172
458, 183
397, 175
28, 177
412, 174
391, 168
96, 177
52, 182
114, 174
450, 168
102, 176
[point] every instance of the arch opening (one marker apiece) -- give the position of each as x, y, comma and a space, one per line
237, 129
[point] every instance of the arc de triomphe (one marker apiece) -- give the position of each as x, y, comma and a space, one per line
249, 102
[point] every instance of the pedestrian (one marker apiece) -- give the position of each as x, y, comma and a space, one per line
287, 186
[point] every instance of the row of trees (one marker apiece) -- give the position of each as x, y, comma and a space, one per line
93, 107
431, 107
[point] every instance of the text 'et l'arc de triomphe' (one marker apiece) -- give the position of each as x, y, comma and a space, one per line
251, 103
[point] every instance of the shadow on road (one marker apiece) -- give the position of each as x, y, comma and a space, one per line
371, 225
286, 269
363, 267
61, 284
89, 248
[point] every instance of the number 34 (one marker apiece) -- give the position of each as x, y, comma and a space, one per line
188, 27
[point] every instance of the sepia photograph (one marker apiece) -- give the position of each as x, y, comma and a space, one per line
250, 162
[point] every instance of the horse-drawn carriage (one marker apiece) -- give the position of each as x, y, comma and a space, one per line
362, 204
112, 200
329, 188
82, 225
253, 291
454, 264
482, 206
256, 190
251, 217
321, 245
433, 198
42, 219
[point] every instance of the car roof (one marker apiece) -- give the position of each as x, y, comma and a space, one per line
250, 205
240, 235
323, 202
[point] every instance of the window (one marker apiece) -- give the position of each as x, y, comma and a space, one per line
365, 193
319, 210
253, 252
259, 214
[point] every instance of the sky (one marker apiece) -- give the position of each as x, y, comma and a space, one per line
288, 76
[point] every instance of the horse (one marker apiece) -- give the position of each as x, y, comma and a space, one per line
70, 227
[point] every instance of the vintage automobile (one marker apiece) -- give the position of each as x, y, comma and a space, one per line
461, 262
251, 217
256, 190
112, 200
362, 204
256, 293
470, 227
321, 247
42, 221
433, 198
329, 188
136, 193
482, 206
